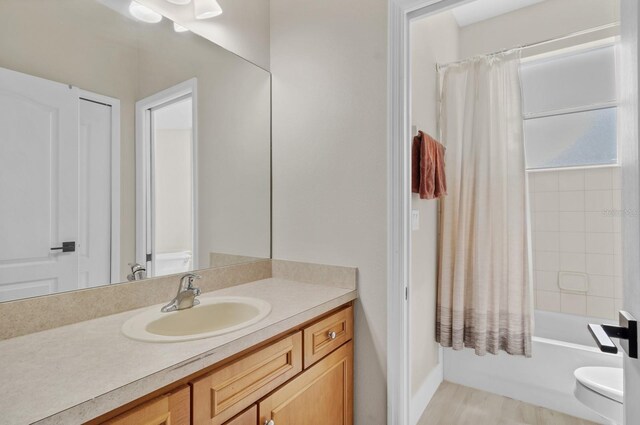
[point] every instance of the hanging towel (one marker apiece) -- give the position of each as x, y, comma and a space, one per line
427, 167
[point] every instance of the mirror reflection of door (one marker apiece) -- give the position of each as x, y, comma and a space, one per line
55, 186
171, 209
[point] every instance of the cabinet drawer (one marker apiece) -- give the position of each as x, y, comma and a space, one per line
170, 409
324, 336
248, 417
225, 392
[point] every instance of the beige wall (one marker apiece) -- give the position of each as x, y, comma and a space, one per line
329, 65
433, 40
83, 43
243, 27
539, 22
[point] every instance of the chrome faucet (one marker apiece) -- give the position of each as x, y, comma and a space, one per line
187, 293
138, 272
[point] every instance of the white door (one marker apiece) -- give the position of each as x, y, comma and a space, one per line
94, 203
38, 185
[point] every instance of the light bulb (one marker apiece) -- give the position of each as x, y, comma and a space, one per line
180, 2
205, 9
143, 13
179, 28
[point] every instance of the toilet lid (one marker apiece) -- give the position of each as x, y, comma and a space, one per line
607, 381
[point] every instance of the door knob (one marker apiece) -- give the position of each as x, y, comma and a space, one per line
332, 335
270, 422
66, 247
627, 332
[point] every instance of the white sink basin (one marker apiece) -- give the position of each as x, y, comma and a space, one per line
213, 316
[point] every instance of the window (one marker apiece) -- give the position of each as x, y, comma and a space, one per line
570, 111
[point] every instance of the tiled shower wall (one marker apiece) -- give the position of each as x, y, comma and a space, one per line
575, 223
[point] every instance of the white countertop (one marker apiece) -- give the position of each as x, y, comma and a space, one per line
74, 373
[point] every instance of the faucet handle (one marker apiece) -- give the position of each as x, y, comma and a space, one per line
189, 278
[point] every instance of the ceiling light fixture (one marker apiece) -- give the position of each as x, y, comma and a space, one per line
180, 2
143, 13
179, 28
205, 9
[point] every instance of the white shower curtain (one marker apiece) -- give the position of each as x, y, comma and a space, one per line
483, 284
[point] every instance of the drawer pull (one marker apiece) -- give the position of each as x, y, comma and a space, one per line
332, 335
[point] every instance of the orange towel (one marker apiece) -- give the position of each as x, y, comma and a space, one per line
427, 167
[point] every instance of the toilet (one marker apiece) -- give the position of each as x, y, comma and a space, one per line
601, 390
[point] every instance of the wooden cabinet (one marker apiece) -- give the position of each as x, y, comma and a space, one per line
224, 393
302, 378
326, 335
248, 417
170, 409
321, 395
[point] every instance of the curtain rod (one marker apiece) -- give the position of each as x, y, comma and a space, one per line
536, 44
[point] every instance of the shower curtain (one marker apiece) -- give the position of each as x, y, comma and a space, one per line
483, 282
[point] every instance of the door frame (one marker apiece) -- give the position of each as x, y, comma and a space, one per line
143, 165
401, 13
115, 176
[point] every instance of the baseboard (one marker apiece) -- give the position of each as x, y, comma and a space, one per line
422, 398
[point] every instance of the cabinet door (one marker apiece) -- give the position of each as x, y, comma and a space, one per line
225, 392
170, 409
248, 417
322, 395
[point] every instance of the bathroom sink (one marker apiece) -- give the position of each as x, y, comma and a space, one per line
212, 317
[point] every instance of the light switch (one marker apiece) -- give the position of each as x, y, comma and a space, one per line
415, 220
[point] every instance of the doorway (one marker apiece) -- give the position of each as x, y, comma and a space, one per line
61, 144
166, 240
401, 407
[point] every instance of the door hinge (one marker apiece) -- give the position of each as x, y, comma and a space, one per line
149, 257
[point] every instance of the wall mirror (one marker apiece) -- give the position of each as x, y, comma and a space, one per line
124, 142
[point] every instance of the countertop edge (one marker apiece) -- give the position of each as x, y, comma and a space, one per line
110, 401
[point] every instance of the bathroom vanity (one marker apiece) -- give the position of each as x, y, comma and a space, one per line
297, 360
271, 381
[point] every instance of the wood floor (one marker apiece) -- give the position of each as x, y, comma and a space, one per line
454, 404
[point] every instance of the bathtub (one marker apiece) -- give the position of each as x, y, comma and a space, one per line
561, 344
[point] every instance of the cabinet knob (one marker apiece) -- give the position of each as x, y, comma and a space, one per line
332, 335
270, 422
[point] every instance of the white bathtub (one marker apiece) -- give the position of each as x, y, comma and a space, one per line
561, 345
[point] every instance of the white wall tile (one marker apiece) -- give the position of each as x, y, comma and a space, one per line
571, 241
601, 307
598, 200
531, 182
617, 200
618, 306
547, 241
573, 303
617, 243
597, 222
546, 181
547, 281
549, 261
600, 243
598, 179
600, 264
571, 180
616, 177
617, 265
549, 301
571, 200
571, 221
547, 222
601, 286
617, 287
546, 201
573, 262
